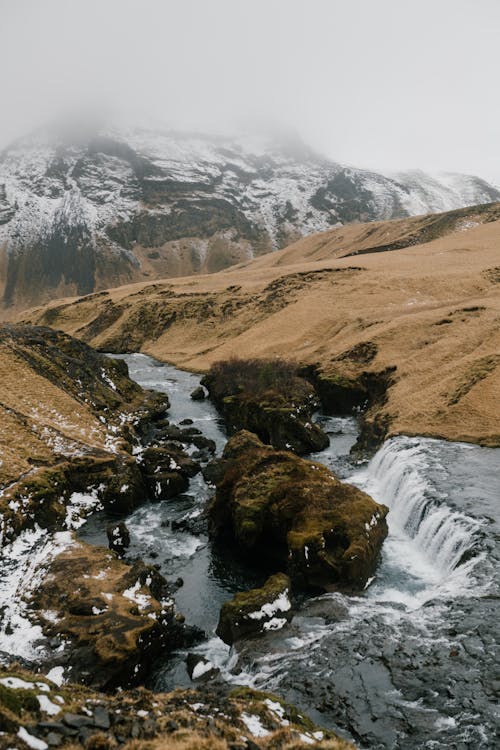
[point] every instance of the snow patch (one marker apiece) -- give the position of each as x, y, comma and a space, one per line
34, 742
254, 725
47, 706
201, 668
280, 604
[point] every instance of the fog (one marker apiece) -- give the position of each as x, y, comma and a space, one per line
384, 84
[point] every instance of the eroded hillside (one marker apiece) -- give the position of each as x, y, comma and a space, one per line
428, 313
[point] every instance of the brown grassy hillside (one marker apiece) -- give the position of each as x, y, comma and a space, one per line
420, 294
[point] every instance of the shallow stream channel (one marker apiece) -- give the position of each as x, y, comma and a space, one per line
411, 662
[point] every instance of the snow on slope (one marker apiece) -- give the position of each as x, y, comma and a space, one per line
443, 192
83, 201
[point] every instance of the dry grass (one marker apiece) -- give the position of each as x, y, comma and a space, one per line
432, 310
34, 414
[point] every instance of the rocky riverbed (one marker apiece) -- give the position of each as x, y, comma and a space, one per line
408, 662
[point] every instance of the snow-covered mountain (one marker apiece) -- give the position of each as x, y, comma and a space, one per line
82, 213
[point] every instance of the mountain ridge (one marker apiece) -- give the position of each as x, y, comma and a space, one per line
81, 214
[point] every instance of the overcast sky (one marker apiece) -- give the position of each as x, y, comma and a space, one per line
387, 84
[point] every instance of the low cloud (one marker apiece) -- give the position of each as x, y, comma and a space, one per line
383, 84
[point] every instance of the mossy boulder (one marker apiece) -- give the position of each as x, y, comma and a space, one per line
167, 469
125, 489
166, 485
165, 458
115, 619
269, 398
249, 613
295, 515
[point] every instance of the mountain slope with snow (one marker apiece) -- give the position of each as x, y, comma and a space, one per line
83, 213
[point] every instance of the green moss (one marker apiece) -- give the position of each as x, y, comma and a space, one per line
297, 516
257, 699
18, 700
269, 398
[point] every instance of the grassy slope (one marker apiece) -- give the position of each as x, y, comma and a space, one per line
35, 415
430, 304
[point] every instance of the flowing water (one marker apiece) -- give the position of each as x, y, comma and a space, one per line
411, 662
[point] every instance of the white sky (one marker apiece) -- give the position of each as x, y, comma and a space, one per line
388, 84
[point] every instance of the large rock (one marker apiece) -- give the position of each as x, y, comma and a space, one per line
167, 470
267, 397
118, 537
124, 489
199, 393
296, 516
252, 612
115, 619
162, 459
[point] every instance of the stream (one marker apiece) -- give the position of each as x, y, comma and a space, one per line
411, 662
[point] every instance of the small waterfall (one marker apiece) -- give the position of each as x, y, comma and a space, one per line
398, 475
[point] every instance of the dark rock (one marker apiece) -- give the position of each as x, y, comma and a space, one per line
186, 421
77, 721
214, 471
54, 739
268, 398
199, 393
125, 490
196, 524
167, 470
191, 432
118, 537
200, 669
52, 726
167, 485
85, 734
101, 717
149, 727
204, 443
167, 458
250, 613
